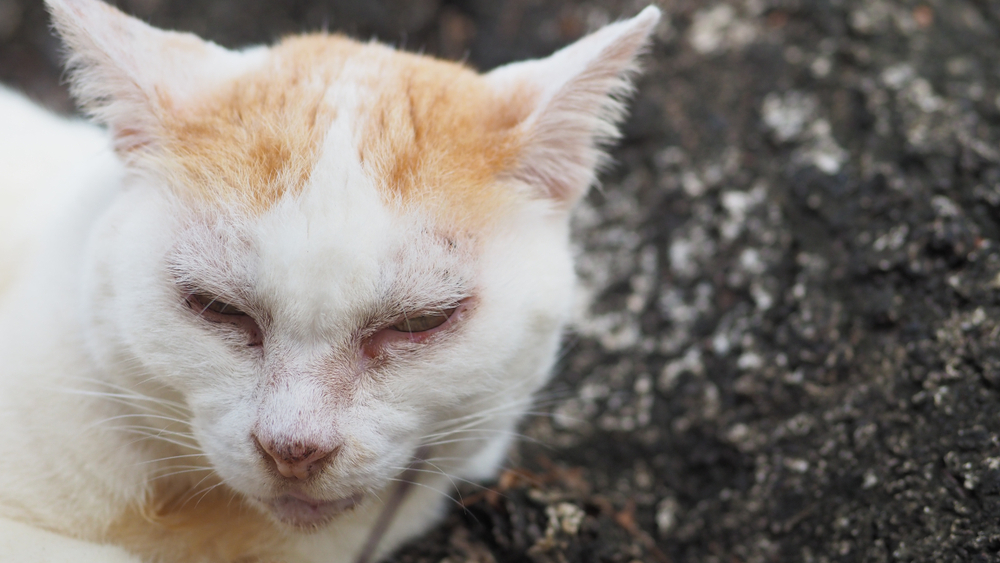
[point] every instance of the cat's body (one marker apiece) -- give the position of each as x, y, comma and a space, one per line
231, 322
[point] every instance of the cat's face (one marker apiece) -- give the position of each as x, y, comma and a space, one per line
337, 256
307, 343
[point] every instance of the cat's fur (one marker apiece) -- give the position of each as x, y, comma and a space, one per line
328, 189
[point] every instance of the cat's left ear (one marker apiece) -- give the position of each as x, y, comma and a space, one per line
130, 76
577, 100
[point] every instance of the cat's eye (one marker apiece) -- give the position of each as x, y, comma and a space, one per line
216, 305
414, 329
423, 323
216, 311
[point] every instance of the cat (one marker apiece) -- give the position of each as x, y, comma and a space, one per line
278, 300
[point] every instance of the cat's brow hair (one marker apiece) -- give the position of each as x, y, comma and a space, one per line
439, 136
429, 132
257, 138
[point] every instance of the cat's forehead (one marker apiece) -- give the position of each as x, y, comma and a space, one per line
425, 132
332, 247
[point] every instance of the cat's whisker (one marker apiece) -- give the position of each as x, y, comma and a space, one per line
445, 458
511, 407
419, 484
438, 471
141, 417
154, 436
453, 479
180, 439
374, 493
480, 416
474, 484
201, 493
149, 408
149, 431
130, 402
144, 415
463, 425
127, 396
170, 468
485, 439
474, 423
180, 472
571, 339
205, 493
127, 392
168, 458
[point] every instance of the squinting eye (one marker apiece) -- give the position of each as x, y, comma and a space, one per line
209, 303
424, 322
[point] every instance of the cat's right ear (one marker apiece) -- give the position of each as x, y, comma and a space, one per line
130, 76
575, 101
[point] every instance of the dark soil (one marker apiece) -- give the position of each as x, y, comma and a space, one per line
792, 352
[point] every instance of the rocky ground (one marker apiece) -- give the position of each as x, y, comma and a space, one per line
792, 349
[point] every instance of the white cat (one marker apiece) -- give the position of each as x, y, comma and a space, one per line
280, 283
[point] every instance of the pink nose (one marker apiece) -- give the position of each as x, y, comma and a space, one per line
297, 460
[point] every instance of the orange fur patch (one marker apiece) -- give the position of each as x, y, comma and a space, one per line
437, 135
258, 137
430, 132
191, 526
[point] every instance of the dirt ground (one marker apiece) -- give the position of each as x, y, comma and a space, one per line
792, 349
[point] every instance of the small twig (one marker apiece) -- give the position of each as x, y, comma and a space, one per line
626, 520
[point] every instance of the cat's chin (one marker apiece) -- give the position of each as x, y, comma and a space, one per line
301, 511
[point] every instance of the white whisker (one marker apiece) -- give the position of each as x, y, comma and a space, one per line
419, 484
179, 472
168, 458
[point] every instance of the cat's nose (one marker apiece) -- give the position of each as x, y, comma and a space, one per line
297, 459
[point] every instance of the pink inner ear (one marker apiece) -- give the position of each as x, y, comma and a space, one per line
128, 75
565, 169
582, 88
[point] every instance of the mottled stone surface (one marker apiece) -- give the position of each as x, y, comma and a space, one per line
792, 352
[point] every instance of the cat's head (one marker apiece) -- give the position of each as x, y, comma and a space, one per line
337, 256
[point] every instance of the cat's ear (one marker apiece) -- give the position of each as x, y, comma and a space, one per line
129, 75
577, 98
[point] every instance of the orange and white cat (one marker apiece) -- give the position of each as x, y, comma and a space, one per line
277, 284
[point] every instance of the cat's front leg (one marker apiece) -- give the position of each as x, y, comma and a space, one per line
26, 544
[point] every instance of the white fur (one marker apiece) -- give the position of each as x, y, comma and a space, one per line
32, 160
107, 373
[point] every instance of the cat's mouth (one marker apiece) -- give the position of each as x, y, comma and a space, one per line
302, 511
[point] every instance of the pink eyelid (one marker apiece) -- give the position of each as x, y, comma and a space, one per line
241, 321
388, 335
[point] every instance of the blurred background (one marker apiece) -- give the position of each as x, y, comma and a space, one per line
791, 348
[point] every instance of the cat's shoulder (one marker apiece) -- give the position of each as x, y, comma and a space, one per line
22, 121
36, 143
41, 155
